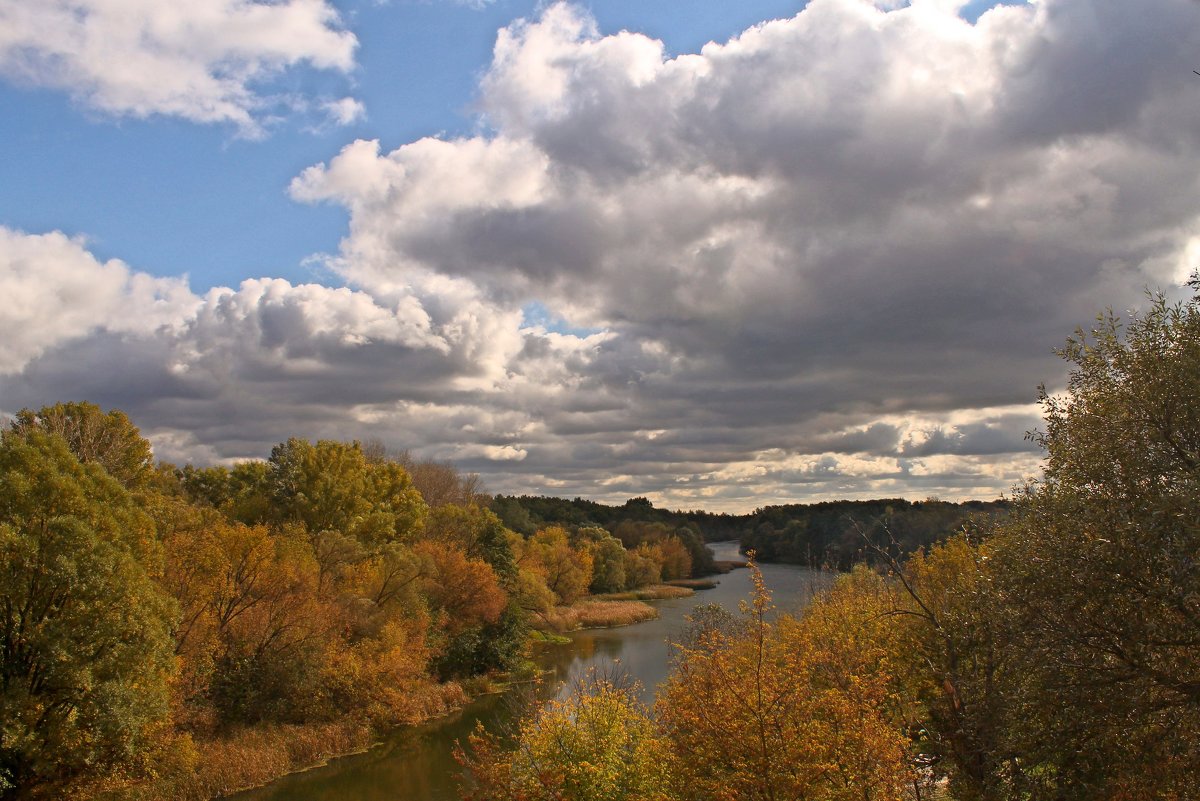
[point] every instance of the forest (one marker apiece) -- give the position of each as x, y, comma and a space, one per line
182, 632
179, 632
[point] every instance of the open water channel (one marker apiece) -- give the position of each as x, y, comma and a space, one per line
417, 763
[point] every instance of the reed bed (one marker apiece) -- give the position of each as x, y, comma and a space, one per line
656, 592
590, 613
694, 584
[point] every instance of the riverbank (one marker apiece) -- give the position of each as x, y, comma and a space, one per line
258, 757
611, 609
416, 763
201, 769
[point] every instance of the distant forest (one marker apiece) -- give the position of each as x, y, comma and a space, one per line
832, 534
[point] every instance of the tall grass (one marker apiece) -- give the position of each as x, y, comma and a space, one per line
594, 614
238, 759
654, 593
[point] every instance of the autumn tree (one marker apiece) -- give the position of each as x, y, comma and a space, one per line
791, 709
466, 596
1099, 563
951, 642
442, 483
331, 487
108, 439
274, 628
567, 570
675, 562
476, 531
642, 567
85, 647
597, 744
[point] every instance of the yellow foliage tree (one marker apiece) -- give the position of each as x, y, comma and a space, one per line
788, 710
567, 570
598, 744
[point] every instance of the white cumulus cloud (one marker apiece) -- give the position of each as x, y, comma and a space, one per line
201, 60
827, 258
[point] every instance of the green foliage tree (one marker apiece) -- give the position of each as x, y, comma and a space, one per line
608, 563
94, 436
85, 644
331, 486
240, 492
1099, 565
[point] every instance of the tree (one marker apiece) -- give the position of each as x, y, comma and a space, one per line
794, 709
567, 570
953, 644
701, 555
608, 564
331, 487
478, 532
107, 439
673, 557
642, 567
597, 744
441, 483
85, 645
471, 608
1099, 565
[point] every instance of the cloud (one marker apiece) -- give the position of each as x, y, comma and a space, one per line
203, 60
55, 291
346, 111
827, 258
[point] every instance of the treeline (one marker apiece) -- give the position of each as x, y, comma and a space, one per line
527, 513
178, 633
840, 534
832, 534
1051, 654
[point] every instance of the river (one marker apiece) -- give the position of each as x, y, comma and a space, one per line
416, 763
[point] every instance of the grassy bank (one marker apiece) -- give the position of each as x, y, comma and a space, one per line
241, 759
694, 584
658, 592
193, 768
595, 614
610, 609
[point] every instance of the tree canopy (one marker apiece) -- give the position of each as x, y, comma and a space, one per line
85, 633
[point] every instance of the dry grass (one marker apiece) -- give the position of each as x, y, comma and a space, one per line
694, 584
254, 756
590, 613
657, 592
594, 614
726, 565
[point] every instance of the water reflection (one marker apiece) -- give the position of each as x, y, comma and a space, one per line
417, 764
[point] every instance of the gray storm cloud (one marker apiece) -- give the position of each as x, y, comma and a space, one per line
829, 257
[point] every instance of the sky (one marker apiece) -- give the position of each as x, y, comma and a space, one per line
720, 255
